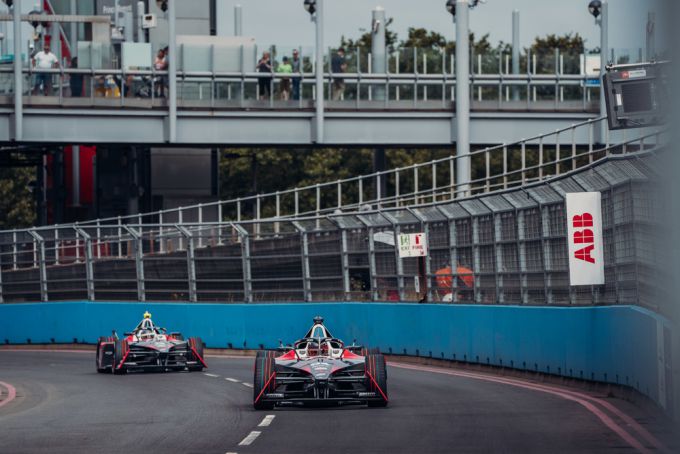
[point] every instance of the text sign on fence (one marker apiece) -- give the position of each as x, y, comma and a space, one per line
584, 230
412, 245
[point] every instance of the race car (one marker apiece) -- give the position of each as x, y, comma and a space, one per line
319, 369
149, 347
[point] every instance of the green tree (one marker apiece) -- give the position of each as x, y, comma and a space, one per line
17, 205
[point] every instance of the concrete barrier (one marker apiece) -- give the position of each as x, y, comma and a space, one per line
615, 344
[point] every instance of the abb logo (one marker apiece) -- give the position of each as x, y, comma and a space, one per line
584, 236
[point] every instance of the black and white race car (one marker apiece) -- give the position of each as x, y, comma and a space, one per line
149, 347
319, 369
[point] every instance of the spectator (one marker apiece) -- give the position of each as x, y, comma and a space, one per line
76, 80
44, 60
284, 85
160, 64
264, 66
296, 77
338, 66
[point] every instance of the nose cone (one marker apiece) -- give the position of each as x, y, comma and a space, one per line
320, 371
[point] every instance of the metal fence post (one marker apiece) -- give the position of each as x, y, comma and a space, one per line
139, 262
399, 262
452, 254
306, 272
191, 263
245, 259
425, 227
41, 263
371, 259
522, 253
89, 267
344, 257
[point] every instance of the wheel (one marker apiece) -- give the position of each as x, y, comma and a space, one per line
97, 361
265, 354
195, 344
263, 381
377, 379
119, 352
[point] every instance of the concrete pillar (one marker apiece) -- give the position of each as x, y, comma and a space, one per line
463, 169
378, 62
515, 51
238, 21
73, 40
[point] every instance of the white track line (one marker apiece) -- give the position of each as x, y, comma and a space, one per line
250, 438
211, 375
233, 380
266, 421
247, 384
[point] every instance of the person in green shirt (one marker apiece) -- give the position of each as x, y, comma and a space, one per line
284, 84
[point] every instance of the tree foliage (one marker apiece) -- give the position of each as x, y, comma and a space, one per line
17, 207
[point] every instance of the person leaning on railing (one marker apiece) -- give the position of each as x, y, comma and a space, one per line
44, 60
296, 65
284, 86
338, 66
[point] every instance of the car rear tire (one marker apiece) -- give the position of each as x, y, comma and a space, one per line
375, 368
97, 360
264, 377
119, 351
265, 354
196, 344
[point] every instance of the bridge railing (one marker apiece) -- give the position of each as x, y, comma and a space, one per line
240, 90
504, 247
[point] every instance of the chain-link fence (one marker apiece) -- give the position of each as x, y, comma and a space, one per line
507, 247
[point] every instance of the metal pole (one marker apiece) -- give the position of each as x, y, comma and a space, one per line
515, 51
604, 52
141, 11
650, 44
378, 61
18, 89
172, 70
318, 17
75, 180
463, 168
74, 31
238, 23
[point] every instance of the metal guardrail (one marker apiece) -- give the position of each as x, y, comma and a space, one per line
504, 247
223, 90
504, 166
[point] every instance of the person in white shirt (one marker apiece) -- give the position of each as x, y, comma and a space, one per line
44, 60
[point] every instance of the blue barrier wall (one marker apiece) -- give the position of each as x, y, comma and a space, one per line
615, 344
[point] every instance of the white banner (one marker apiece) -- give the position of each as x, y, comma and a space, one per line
584, 236
412, 245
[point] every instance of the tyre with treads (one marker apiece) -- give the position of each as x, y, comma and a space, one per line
119, 351
263, 381
195, 344
376, 379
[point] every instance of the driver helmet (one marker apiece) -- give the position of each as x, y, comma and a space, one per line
324, 349
146, 334
312, 349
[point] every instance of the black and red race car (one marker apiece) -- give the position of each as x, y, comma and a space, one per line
149, 347
319, 369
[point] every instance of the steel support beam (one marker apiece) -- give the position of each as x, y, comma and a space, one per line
306, 271
463, 165
191, 261
245, 257
139, 261
378, 60
89, 267
319, 118
172, 72
18, 77
41, 264
604, 56
238, 20
515, 51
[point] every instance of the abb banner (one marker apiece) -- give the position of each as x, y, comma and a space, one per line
584, 230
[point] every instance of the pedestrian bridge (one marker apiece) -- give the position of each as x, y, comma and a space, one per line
226, 109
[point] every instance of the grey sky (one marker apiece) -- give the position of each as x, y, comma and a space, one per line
284, 22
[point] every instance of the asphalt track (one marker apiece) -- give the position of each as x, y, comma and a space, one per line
55, 402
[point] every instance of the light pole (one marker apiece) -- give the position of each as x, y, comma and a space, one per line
315, 9
460, 9
599, 10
